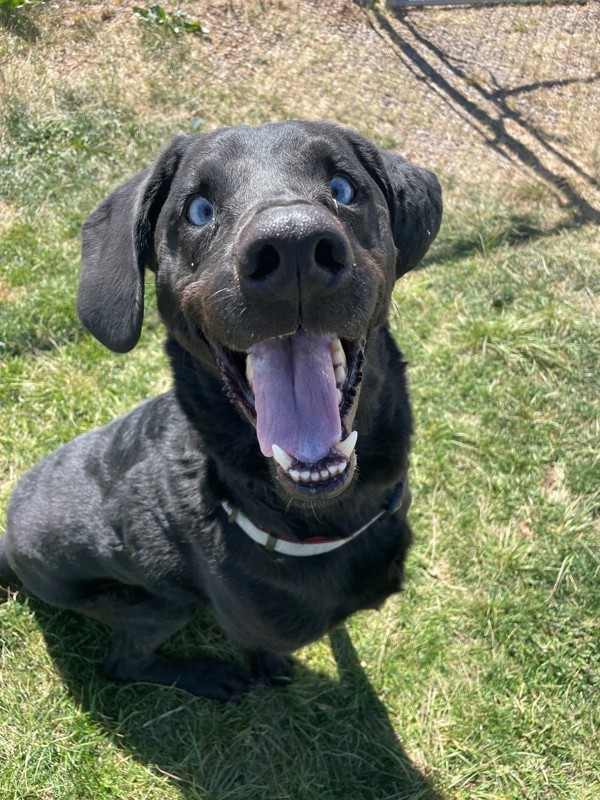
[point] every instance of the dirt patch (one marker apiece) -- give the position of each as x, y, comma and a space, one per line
554, 485
7, 216
9, 294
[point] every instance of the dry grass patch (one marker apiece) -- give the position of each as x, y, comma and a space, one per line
505, 95
7, 217
9, 294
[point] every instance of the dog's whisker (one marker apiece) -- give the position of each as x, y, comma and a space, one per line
315, 515
225, 290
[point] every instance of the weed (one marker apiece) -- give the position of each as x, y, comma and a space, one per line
14, 5
175, 22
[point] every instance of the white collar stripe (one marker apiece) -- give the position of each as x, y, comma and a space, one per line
310, 547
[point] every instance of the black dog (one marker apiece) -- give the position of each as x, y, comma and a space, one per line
271, 483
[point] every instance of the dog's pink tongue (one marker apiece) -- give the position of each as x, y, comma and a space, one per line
295, 396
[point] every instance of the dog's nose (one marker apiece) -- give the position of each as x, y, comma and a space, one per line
293, 251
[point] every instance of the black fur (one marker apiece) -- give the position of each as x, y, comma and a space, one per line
124, 524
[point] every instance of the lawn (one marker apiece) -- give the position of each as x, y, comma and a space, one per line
478, 682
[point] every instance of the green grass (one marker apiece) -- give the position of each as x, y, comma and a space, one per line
481, 680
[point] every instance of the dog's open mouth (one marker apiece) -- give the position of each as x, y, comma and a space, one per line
300, 391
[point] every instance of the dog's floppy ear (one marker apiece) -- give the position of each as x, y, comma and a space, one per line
415, 207
117, 245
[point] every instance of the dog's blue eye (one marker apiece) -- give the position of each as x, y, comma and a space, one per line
341, 190
200, 211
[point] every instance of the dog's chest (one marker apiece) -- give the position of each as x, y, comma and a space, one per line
296, 601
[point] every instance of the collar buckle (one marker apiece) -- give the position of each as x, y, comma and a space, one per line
397, 499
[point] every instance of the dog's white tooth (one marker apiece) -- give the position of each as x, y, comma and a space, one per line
337, 353
250, 368
294, 475
324, 474
340, 396
305, 475
342, 466
347, 446
340, 374
332, 470
314, 476
282, 458
339, 358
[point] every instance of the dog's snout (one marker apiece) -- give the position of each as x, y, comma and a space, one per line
286, 249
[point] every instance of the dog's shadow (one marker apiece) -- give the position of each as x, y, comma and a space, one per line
319, 738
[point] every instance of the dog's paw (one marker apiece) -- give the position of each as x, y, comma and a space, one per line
218, 680
215, 680
271, 669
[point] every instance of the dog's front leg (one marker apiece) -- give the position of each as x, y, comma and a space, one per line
271, 669
133, 657
139, 629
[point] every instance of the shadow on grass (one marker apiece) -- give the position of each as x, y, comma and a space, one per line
513, 230
488, 114
317, 738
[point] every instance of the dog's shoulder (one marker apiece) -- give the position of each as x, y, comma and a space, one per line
100, 460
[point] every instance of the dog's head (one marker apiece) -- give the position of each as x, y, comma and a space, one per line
275, 251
